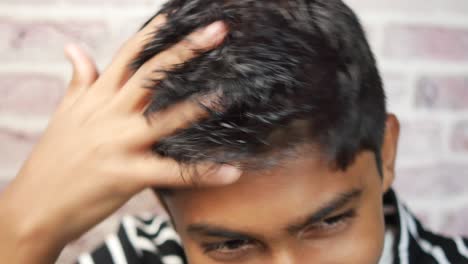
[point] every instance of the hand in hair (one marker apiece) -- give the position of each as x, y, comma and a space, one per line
95, 154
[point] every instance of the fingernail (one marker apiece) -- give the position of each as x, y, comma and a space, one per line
215, 29
227, 174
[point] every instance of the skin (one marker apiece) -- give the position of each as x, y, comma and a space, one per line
81, 171
302, 211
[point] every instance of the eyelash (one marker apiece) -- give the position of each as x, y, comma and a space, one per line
325, 225
340, 218
209, 247
331, 224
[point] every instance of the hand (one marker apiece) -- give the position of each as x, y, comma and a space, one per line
95, 154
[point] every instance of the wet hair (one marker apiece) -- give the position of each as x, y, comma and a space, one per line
289, 73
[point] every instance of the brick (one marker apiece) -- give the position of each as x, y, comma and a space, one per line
459, 137
5, 177
451, 222
420, 140
454, 222
15, 148
436, 181
114, 2
43, 41
372, 35
30, 93
397, 89
125, 28
29, 2
425, 216
413, 6
426, 43
85, 2
442, 92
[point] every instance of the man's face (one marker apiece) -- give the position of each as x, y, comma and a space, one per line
302, 211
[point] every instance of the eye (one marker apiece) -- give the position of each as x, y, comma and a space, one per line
229, 250
336, 220
227, 246
330, 225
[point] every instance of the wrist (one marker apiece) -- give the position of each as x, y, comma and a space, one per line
26, 236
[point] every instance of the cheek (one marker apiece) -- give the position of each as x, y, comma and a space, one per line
364, 244
366, 247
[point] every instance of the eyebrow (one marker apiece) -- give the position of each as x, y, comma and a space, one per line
217, 232
330, 207
209, 230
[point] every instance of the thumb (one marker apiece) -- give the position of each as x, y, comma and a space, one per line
85, 72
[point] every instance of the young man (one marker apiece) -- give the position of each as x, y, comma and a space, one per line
300, 107
292, 99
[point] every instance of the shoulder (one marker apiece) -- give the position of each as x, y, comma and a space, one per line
139, 240
417, 244
414, 243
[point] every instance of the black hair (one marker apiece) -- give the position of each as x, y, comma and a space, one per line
290, 72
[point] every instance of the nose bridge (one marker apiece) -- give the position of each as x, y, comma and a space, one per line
287, 256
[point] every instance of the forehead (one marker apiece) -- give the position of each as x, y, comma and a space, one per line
301, 184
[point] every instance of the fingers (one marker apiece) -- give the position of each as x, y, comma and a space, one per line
165, 172
85, 72
134, 94
118, 72
166, 122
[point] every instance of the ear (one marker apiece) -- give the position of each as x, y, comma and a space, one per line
389, 150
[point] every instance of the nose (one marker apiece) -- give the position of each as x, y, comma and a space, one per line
287, 257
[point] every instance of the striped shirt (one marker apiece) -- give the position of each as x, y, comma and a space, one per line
144, 240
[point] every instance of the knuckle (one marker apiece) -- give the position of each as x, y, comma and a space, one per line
150, 72
185, 118
175, 57
159, 64
190, 175
186, 48
203, 174
195, 111
189, 43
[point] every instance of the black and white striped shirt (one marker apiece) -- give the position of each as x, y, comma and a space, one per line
144, 240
